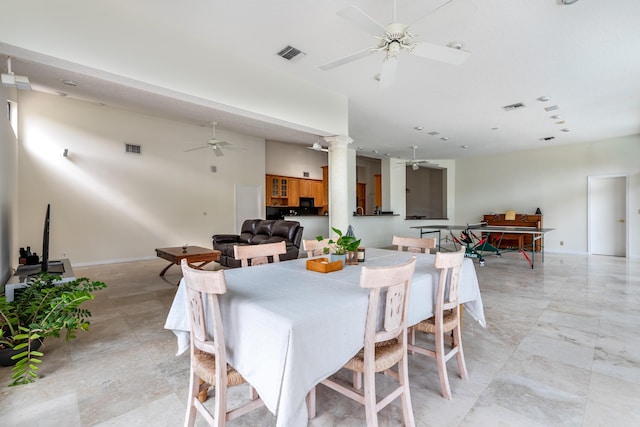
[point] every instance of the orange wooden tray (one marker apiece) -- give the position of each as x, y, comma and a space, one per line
322, 265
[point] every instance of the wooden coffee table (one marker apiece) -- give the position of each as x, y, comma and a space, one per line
196, 256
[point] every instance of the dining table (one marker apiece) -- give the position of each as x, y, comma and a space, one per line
287, 328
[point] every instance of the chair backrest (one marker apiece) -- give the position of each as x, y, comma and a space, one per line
315, 247
392, 283
201, 285
414, 244
450, 266
258, 254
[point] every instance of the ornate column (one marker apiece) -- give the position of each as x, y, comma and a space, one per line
342, 181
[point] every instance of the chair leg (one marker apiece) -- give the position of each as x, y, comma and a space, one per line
442, 365
311, 403
370, 398
403, 378
357, 380
462, 367
190, 417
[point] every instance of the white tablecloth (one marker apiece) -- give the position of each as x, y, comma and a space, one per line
288, 328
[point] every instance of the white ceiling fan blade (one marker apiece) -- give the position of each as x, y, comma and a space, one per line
446, 54
197, 148
361, 20
425, 14
347, 59
388, 74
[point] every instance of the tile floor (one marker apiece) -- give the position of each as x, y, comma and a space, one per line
561, 347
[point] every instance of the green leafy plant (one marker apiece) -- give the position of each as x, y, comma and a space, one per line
342, 244
42, 309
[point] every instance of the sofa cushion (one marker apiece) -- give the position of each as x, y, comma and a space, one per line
285, 229
265, 227
248, 230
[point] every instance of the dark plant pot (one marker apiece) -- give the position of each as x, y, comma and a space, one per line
7, 353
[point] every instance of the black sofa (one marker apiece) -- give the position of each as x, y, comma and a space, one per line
256, 232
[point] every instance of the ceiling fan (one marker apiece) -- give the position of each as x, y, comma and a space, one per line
415, 163
392, 39
215, 144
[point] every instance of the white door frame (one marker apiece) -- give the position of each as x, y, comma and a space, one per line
590, 214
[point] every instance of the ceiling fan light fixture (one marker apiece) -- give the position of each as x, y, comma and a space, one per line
455, 45
566, 2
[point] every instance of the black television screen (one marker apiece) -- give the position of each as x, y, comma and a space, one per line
45, 240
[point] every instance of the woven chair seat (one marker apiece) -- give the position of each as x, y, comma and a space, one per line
449, 322
204, 365
388, 353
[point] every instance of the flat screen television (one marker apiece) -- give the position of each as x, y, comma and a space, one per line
45, 240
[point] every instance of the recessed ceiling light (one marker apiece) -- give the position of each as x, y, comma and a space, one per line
70, 83
551, 108
444, 138
360, 148
556, 117
547, 138
464, 146
566, 2
387, 154
565, 130
433, 133
376, 151
455, 45
543, 98
560, 122
418, 127
377, 77
495, 128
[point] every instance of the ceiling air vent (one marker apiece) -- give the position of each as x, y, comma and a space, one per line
290, 52
516, 106
547, 138
132, 148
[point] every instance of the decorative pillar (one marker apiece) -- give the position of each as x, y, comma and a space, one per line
342, 182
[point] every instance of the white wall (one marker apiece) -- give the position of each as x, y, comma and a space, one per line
293, 159
8, 189
555, 180
107, 205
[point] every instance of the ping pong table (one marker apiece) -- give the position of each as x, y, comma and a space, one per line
477, 246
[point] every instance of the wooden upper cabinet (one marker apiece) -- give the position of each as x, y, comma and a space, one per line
306, 188
318, 194
294, 191
277, 190
378, 183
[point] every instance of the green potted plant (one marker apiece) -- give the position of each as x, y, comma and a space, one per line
343, 246
43, 309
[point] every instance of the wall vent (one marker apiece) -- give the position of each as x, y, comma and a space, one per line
305, 174
132, 148
214, 169
547, 138
290, 52
516, 106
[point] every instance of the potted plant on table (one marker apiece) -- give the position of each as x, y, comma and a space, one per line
42, 309
345, 247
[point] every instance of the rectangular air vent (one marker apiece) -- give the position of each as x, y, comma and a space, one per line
290, 52
516, 106
547, 138
552, 108
132, 148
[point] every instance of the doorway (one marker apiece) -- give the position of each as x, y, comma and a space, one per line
608, 215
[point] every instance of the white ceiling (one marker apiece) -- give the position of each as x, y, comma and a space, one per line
585, 57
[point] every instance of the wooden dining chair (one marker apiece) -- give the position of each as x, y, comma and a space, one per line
259, 254
414, 244
209, 366
445, 323
315, 247
386, 347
